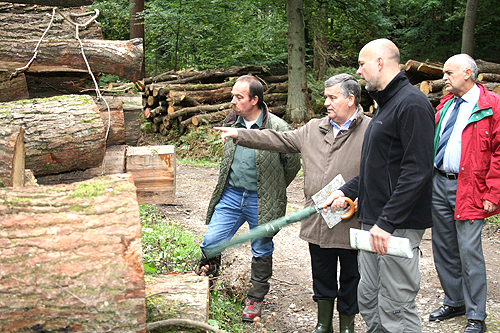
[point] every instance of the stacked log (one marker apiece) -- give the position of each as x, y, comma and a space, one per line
184, 100
433, 85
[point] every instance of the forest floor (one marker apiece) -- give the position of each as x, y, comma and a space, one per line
289, 306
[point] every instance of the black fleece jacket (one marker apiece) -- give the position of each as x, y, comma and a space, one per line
394, 184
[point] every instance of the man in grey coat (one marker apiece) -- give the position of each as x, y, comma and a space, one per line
329, 146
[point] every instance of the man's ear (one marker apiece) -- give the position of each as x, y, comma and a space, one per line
468, 74
255, 100
351, 100
380, 62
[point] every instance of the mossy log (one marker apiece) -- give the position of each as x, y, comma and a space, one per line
63, 133
71, 258
177, 297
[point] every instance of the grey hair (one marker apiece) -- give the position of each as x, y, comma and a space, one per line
466, 62
348, 86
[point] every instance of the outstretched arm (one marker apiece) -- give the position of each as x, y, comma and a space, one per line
227, 132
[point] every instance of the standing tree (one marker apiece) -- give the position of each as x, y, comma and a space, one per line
137, 25
469, 27
296, 108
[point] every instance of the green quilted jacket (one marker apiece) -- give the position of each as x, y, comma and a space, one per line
274, 172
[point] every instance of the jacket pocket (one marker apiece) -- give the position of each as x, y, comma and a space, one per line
479, 187
484, 139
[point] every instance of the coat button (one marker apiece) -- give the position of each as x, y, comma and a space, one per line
486, 132
462, 169
458, 216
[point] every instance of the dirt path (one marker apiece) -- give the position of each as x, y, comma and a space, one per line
289, 305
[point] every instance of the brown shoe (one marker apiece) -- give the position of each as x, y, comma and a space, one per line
252, 310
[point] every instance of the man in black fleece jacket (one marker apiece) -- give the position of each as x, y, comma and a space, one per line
394, 190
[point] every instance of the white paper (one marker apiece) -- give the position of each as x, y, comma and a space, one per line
331, 217
398, 246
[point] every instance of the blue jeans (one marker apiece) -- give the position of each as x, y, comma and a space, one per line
236, 206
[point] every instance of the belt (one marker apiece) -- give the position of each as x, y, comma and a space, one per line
449, 175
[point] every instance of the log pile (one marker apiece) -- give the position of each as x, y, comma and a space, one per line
433, 85
183, 100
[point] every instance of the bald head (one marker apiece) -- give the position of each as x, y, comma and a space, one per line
378, 63
459, 74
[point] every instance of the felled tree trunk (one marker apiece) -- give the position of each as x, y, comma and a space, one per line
71, 258
488, 67
21, 22
63, 133
12, 158
60, 3
122, 58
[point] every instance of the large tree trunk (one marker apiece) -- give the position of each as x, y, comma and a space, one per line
469, 27
137, 27
12, 156
122, 58
297, 84
36, 19
72, 258
63, 133
58, 3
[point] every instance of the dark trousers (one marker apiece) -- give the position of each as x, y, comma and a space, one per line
324, 272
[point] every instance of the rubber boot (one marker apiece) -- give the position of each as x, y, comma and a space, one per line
262, 270
346, 323
325, 315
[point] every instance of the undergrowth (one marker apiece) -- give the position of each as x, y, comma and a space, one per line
168, 248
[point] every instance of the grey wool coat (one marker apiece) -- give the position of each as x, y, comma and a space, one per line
323, 157
275, 171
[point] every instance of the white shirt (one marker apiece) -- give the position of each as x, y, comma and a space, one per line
451, 159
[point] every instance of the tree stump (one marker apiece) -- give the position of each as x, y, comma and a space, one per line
63, 133
71, 258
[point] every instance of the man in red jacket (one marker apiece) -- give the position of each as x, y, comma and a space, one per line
466, 189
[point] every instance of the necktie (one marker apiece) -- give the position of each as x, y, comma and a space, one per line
448, 129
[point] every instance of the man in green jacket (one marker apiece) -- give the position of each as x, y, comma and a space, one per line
251, 187
329, 146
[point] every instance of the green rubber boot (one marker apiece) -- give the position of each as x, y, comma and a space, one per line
325, 315
346, 323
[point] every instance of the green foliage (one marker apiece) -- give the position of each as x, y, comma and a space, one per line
113, 18
225, 311
213, 34
166, 246
318, 87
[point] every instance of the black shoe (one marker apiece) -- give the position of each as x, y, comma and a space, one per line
475, 326
447, 312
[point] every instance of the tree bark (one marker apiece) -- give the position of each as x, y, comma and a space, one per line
116, 133
488, 67
13, 89
36, 19
122, 58
297, 83
137, 28
72, 258
57, 3
12, 156
212, 117
62, 133
489, 77
469, 27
